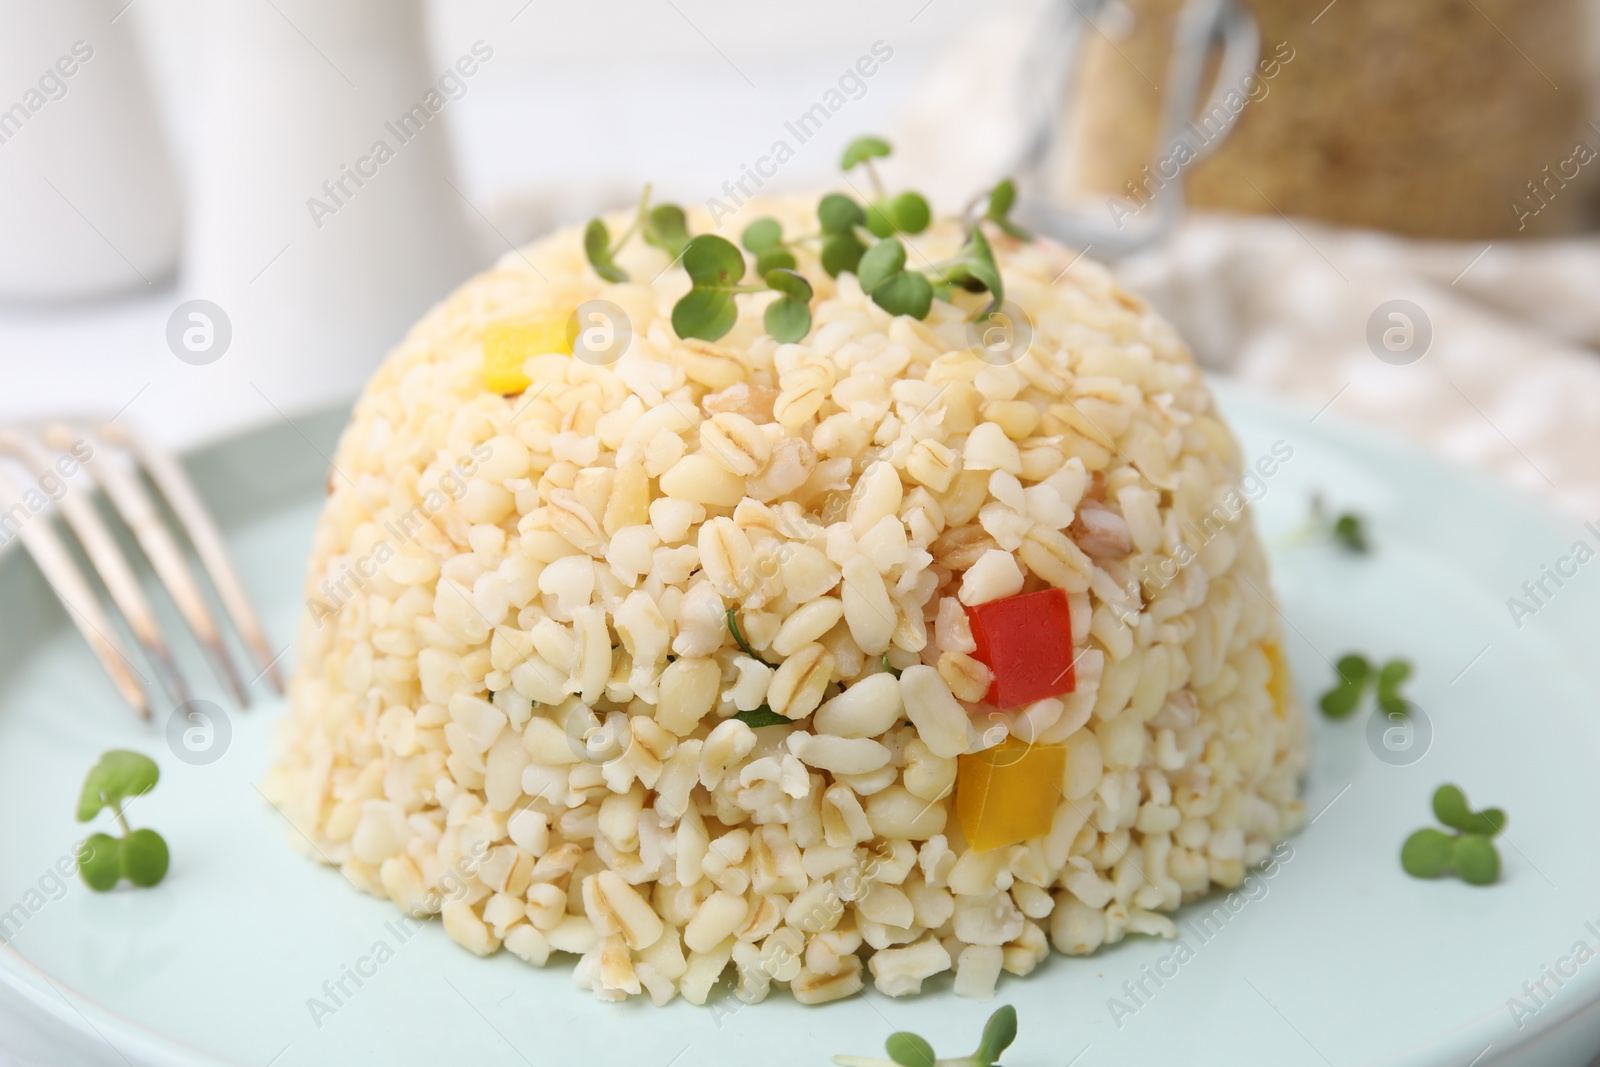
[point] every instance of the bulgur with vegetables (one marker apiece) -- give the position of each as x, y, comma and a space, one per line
691, 674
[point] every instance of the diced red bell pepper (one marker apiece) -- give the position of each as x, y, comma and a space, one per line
1026, 642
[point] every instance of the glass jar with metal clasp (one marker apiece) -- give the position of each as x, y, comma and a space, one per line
1463, 119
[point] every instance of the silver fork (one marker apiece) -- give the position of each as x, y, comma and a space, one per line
113, 457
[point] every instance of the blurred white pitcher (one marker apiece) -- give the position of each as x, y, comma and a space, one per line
325, 216
88, 200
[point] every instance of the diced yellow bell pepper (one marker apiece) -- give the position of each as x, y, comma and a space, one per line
1279, 683
1008, 794
507, 346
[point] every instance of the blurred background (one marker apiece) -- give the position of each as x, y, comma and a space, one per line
220, 215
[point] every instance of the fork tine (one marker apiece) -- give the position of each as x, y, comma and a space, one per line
72, 589
161, 548
109, 561
180, 494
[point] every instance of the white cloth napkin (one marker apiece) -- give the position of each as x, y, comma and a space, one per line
1510, 381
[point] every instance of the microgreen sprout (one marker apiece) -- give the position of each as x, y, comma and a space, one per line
1001, 200
1469, 853
763, 239
912, 1050
598, 247
756, 718
889, 668
788, 318
1354, 672
1356, 675
842, 248
887, 215
715, 267
140, 856
864, 239
665, 227
601, 250
974, 269
1451, 808
883, 276
739, 638
1347, 529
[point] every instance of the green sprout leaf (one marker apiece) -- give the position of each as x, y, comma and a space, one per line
597, 246
1355, 675
140, 855
998, 1034
1392, 674
705, 313
862, 149
906, 213
788, 283
841, 252
761, 235
1451, 808
1001, 199
898, 291
118, 775
1354, 668
881, 262
763, 716
144, 858
666, 228
787, 320
1488, 822
1341, 700
906, 293
1427, 853
1349, 530
838, 214
911, 213
1476, 860
1471, 854
100, 862
1390, 678
978, 258
776, 258
738, 637
909, 1050
713, 261
708, 311
889, 668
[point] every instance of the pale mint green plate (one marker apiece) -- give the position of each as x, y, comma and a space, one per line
1337, 958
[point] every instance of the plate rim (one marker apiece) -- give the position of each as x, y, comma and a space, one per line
72, 1008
